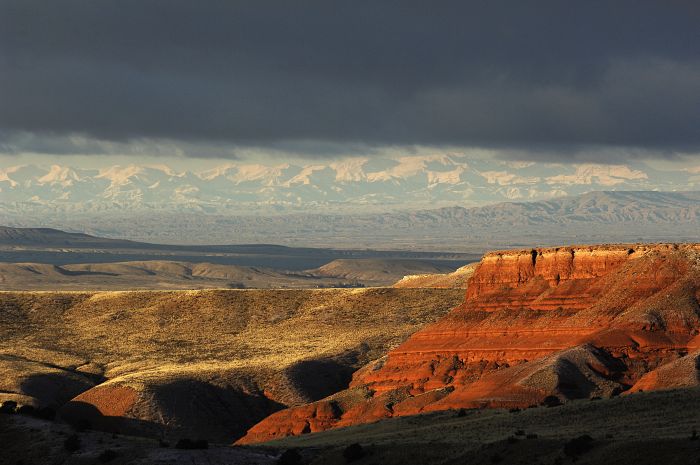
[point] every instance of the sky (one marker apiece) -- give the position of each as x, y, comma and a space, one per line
103, 82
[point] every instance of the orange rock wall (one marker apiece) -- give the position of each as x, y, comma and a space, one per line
517, 278
636, 303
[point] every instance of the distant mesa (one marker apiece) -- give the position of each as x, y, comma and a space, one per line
458, 279
558, 323
167, 274
49, 237
160, 268
385, 271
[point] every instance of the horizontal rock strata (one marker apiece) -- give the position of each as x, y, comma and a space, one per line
540, 325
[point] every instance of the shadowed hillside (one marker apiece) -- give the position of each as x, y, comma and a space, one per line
647, 428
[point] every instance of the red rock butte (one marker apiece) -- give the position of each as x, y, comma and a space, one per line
538, 325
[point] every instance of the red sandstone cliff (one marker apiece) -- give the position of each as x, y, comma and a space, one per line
573, 322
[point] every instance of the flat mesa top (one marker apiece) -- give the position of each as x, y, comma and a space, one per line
635, 247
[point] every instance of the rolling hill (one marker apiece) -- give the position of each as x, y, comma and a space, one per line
162, 275
125, 360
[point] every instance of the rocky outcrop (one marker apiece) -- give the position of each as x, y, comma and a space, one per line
681, 373
568, 322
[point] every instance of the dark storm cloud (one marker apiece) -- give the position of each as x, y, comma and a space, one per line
551, 77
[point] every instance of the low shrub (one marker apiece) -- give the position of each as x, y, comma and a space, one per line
353, 452
81, 424
26, 410
72, 443
289, 457
551, 401
8, 407
45, 413
190, 444
107, 456
578, 446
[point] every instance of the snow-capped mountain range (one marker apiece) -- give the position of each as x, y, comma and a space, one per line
355, 184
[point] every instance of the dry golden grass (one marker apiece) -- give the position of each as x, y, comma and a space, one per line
116, 330
262, 343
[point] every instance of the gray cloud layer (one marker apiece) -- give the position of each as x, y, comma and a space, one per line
539, 76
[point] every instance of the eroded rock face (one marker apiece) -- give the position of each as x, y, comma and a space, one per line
546, 279
569, 322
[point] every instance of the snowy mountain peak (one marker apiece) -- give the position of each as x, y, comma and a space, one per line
345, 184
62, 175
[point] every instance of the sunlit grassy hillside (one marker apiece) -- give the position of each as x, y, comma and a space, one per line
246, 352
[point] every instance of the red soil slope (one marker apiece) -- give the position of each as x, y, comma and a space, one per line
570, 322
